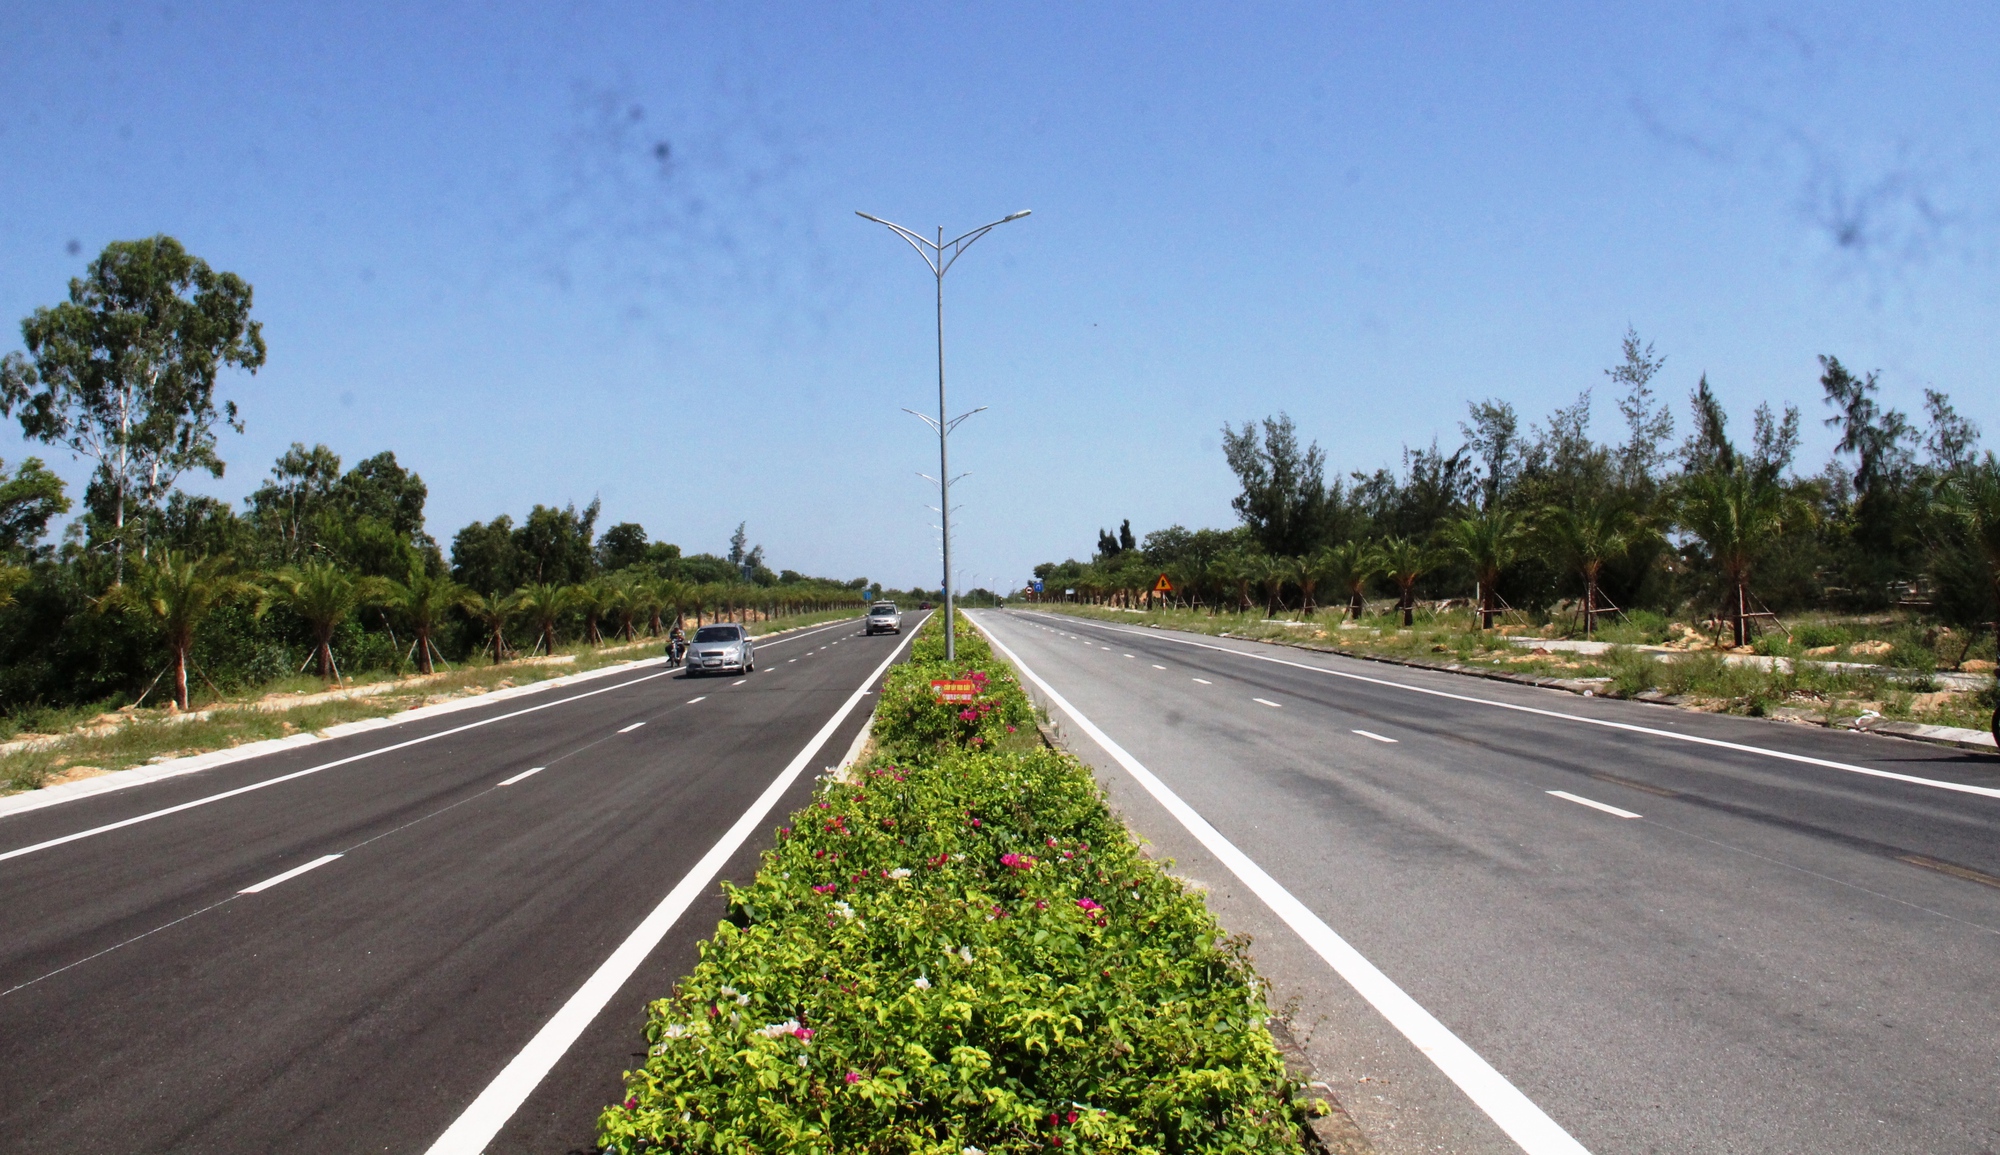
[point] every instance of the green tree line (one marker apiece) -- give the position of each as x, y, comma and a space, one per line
153, 591
1906, 512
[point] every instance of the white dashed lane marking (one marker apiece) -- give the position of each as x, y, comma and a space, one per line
1593, 804
1267, 702
1377, 737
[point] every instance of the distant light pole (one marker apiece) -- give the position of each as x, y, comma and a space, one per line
934, 255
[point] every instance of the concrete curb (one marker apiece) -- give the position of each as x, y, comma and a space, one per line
47, 796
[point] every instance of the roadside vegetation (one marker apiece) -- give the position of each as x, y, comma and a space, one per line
1853, 681
956, 949
1888, 556
68, 744
156, 602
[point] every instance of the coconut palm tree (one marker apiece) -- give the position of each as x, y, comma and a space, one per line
178, 594
542, 605
1489, 541
323, 595
646, 601
683, 598
1351, 565
1737, 515
594, 599
1404, 561
1586, 538
493, 612
1272, 574
1233, 572
421, 602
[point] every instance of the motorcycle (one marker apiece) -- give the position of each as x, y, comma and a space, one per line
676, 652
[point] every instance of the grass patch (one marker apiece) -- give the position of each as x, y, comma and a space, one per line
957, 948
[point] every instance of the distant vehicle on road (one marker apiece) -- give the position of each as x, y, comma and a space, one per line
883, 618
923, 605
723, 649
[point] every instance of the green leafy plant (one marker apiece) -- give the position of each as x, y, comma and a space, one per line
956, 949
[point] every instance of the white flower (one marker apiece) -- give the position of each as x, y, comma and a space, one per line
660, 1049
675, 1031
803, 1062
900, 873
844, 910
922, 983
970, 1151
965, 954
778, 1030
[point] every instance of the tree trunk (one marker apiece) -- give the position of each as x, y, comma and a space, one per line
181, 677
1589, 606
423, 651
1742, 630
325, 655
1409, 607
1357, 605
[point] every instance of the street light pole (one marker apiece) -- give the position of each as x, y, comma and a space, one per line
935, 257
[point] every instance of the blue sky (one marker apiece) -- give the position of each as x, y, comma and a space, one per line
467, 249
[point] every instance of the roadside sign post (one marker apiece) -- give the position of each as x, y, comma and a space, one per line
1162, 587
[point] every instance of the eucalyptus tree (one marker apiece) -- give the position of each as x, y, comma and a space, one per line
1351, 565
421, 602
1489, 542
1737, 515
1585, 538
177, 594
542, 606
1404, 561
322, 595
124, 372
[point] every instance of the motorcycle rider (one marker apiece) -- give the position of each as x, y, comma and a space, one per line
676, 645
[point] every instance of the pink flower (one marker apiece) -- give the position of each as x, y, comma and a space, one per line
823, 888
804, 1032
1010, 729
853, 1077
1087, 904
1018, 861
631, 1103
967, 715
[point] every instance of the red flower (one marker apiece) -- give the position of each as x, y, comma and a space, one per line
823, 888
853, 1077
631, 1103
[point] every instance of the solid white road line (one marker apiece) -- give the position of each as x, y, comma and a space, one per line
1377, 737
632, 727
1158, 667
1205, 681
530, 772
1267, 702
482, 1120
1594, 805
392, 747
294, 872
692, 701
1628, 727
1131, 655
1524, 1122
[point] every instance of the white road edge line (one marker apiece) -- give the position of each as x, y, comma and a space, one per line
528, 773
632, 727
1267, 702
1628, 727
1580, 800
1205, 681
1525, 1123
391, 748
294, 872
1157, 666
1377, 737
487, 1114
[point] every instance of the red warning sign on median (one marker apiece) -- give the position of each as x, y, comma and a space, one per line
955, 690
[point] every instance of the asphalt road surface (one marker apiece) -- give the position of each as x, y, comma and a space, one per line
1650, 928
181, 984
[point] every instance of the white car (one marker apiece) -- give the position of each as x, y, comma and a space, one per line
883, 618
724, 648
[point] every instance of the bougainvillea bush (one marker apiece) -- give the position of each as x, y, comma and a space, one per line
958, 950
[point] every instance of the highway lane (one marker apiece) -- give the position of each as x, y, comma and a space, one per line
364, 1003
1772, 956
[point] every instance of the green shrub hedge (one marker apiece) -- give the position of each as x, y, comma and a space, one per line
959, 951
